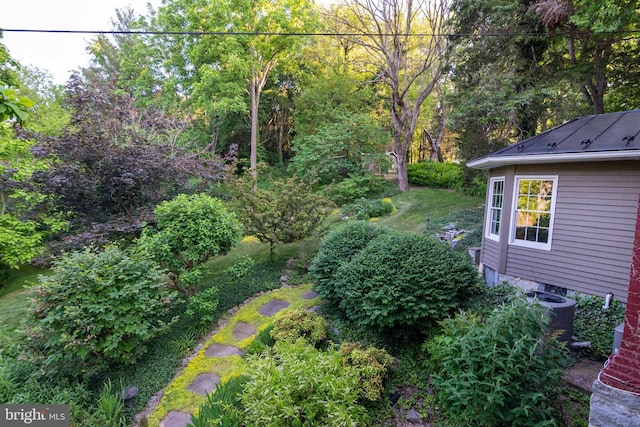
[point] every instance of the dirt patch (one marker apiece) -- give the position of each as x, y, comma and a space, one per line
583, 374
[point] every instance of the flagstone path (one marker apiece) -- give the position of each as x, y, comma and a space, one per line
220, 358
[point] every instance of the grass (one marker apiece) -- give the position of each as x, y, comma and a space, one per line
414, 207
14, 296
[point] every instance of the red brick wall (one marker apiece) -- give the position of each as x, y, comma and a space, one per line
623, 369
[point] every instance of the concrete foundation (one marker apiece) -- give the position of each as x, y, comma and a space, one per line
611, 407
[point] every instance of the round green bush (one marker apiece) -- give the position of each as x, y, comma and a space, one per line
336, 249
97, 309
403, 280
190, 230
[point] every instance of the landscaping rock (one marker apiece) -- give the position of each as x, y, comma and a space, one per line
272, 307
204, 383
309, 295
243, 331
129, 393
219, 350
175, 419
413, 416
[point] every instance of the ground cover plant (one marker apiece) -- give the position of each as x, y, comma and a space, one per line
594, 323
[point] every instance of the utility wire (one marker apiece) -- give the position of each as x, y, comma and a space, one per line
314, 34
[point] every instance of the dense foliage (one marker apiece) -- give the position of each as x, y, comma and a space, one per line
299, 382
304, 324
284, 212
190, 230
500, 371
97, 309
365, 209
358, 186
402, 281
336, 249
435, 175
596, 324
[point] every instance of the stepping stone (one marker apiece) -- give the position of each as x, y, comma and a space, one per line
220, 350
272, 307
243, 330
204, 383
309, 295
176, 419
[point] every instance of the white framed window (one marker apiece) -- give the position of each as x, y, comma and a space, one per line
533, 210
494, 208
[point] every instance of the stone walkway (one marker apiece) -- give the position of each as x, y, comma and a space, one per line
220, 357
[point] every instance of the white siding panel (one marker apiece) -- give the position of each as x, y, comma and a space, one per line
594, 229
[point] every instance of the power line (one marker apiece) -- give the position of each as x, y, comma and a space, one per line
296, 34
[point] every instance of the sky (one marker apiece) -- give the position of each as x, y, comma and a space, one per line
60, 53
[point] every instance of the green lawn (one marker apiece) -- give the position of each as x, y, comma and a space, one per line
415, 206
13, 296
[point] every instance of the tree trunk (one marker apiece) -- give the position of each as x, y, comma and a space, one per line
255, 99
403, 179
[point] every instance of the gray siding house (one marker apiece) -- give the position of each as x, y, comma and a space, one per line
561, 207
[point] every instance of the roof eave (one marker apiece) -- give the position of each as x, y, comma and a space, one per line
491, 162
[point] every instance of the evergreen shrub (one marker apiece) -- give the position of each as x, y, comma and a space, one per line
435, 174
499, 371
403, 280
336, 249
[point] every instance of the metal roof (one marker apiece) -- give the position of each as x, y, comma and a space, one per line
601, 137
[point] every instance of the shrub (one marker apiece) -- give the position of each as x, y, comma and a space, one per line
372, 365
203, 307
190, 230
301, 385
97, 309
305, 324
403, 280
435, 174
241, 267
594, 324
364, 209
355, 187
336, 249
500, 372
285, 212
